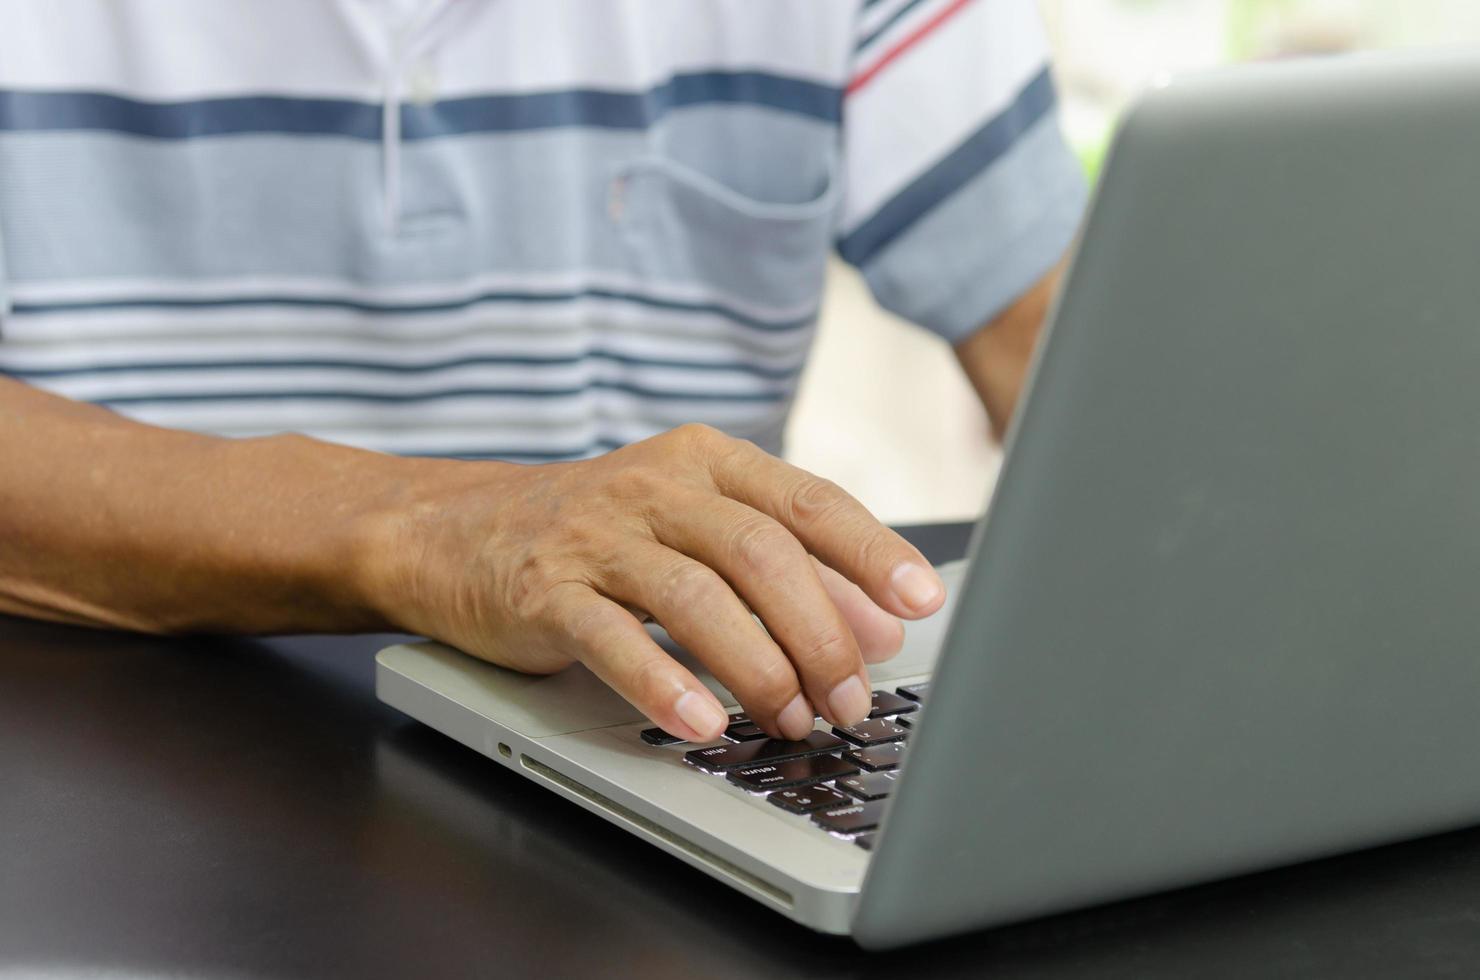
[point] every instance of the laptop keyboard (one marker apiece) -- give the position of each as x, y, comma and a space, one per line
840, 780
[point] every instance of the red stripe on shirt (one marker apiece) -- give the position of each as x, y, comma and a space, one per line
914, 37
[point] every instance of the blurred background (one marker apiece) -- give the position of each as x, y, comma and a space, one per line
883, 409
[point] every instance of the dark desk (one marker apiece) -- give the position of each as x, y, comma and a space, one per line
234, 808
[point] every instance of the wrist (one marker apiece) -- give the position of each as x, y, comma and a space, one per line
406, 531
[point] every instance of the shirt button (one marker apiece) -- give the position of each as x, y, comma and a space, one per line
423, 83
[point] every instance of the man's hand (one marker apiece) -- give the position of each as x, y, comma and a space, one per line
536, 567
107, 522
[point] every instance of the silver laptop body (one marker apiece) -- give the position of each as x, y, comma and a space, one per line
1224, 611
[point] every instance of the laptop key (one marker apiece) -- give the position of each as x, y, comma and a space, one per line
797, 772
908, 721
737, 755
915, 692
656, 736
875, 758
868, 786
746, 731
886, 703
866, 841
873, 731
851, 819
807, 798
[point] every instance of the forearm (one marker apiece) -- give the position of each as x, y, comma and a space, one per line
996, 357
107, 522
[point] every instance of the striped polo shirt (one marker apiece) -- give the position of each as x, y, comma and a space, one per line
517, 229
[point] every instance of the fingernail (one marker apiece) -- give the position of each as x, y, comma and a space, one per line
795, 720
917, 587
850, 701
700, 714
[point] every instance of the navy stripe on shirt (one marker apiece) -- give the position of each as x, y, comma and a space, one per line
33, 111
980, 150
520, 455
397, 397
889, 22
401, 368
19, 307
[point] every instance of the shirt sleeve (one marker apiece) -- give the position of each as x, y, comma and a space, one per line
959, 191
4, 287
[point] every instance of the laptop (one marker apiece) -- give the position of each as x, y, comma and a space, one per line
1223, 612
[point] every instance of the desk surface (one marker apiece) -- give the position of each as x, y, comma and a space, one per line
247, 808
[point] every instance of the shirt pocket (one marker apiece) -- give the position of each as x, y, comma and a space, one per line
684, 229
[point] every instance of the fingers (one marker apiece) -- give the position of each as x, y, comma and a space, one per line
608, 640
833, 526
698, 529
772, 572
700, 610
879, 635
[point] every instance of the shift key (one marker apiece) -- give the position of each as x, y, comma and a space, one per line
720, 758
